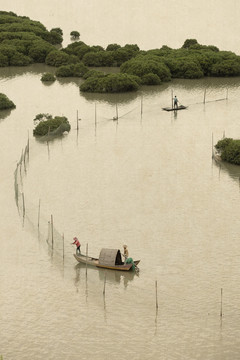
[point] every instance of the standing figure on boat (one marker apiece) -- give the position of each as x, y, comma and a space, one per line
175, 102
125, 253
78, 245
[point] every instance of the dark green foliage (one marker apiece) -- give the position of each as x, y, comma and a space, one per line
99, 58
47, 124
39, 50
151, 79
77, 70
111, 83
229, 67
94, 73
30, 41
113, 47
10, 56
186, 68
58, 58
57, 30
5, 103
48, 77
229, 150
143, 65
189, 42
75, 34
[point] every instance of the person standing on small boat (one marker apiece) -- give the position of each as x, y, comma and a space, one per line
125, 253
78, 245
175, 102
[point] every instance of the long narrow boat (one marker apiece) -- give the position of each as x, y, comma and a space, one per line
180, 107
108, 259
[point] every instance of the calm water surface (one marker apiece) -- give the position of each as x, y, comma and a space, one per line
148, 181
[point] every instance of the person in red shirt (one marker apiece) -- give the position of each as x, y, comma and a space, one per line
78, 245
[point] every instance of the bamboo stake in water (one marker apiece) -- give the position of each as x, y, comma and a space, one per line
39, 212
221, 313
227, 95
86, 257
52, 228
63, 245
77, 119
104, 284
212, 145
156, 295
204, 97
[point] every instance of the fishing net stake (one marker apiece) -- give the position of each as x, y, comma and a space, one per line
156, 294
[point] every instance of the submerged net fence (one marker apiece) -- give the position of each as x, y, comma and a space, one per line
33, 215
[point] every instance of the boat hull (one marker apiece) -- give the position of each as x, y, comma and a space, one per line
95, 262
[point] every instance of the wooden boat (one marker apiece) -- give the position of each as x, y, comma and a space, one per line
108, 259
180, 107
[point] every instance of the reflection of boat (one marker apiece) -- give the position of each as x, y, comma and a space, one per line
180, 107
108, 259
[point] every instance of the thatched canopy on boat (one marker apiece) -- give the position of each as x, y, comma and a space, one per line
110, 257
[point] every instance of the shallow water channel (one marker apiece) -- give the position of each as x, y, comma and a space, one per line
147, 180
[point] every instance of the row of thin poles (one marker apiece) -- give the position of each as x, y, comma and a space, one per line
141, 107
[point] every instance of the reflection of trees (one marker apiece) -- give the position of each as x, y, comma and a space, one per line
232, 170
14, 71
4, 114
112, 99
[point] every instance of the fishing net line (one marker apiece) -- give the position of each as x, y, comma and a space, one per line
33, 215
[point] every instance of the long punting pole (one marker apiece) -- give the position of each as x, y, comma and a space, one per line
117, 111
156, 295
172, 98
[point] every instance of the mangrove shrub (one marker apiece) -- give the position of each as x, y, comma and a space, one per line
48, 77
47, 124
77, 70
229, 150
143, 65
5, 103
111, 83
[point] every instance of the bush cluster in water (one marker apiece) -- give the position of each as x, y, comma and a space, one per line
5, 103
24, 41
47, 124
229, 150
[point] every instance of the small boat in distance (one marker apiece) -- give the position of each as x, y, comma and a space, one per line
180, 107
108, 259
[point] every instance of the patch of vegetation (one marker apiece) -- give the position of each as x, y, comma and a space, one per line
111, 83
229, 150
75, 34
76, 70
48, 77
46, 124
5, 103
23, 41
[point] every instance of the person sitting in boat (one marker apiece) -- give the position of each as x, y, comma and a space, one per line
125, 253
78, 245
175, 102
